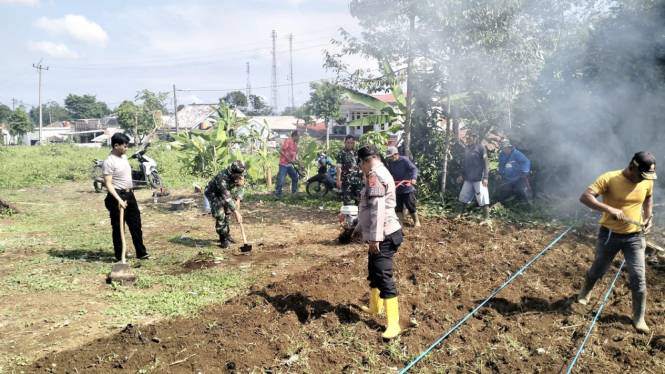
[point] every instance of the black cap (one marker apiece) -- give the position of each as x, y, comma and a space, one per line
367, 150
646, 164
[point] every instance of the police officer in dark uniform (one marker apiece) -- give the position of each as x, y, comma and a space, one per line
378, 225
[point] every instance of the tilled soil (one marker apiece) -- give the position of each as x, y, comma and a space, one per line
309, 322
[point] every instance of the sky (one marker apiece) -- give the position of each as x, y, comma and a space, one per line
112, 49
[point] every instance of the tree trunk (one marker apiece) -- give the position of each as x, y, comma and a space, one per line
409, 87
135, 129
444, 171
5, 204
327, 135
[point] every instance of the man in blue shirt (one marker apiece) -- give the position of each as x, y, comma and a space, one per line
405, 174
513, 169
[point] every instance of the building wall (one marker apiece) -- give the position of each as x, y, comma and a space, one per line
353, 111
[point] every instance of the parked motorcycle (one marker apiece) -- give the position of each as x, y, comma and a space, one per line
146, 175
325, 180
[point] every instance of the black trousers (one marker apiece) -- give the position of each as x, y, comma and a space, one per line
380, 266
133, 220
408, 199
517, 187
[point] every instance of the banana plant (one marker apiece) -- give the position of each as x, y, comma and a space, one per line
388, 113
205, 153
263, 137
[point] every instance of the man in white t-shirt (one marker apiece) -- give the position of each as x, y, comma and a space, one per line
118, 179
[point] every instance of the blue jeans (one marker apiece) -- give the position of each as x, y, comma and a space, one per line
633, 247
283, 171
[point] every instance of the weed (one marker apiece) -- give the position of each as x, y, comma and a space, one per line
395, 351
181, 295
210, 325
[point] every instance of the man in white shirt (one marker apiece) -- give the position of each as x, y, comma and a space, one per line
118, 179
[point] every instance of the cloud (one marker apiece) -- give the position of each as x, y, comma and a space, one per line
20, 2
52, 49
76, 27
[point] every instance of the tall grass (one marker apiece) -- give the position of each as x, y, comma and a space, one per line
23, 166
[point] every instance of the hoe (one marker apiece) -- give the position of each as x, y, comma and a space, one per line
121, 272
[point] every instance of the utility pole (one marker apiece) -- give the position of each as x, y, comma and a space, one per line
175, 104
14, 101
293, 100
248, 90
273, 87
40, 68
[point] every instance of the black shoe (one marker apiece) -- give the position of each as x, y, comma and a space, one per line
231, 240
224, 244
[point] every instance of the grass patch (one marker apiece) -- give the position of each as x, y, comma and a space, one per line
181, 295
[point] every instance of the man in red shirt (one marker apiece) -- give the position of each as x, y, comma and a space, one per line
289, 155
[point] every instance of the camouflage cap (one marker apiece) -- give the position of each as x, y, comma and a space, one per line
236, 167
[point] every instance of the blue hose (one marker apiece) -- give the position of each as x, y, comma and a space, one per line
486, 300
594, 319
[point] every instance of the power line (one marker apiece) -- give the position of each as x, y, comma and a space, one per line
226, 48
172, 66
125, 63
239, 89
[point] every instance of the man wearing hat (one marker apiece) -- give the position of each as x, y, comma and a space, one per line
405, 174
378, 225
218, 192
626, 194
475, 177
514, 167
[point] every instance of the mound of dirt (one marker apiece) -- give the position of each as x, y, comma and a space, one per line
311, 321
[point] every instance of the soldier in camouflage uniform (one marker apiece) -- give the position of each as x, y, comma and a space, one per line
349, 177
218, 192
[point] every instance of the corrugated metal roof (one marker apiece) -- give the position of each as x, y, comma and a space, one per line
192, 115
278, 123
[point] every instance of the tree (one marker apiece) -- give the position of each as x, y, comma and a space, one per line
325, 101
128, 117
86, 106
5, 113
180, 107
258, 107
144, 118
235, 99
289, 111
20, 123
51, 112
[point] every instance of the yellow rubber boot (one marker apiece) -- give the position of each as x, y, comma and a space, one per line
375, 303
392, 319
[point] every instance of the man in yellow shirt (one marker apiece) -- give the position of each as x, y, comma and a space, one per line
626, 193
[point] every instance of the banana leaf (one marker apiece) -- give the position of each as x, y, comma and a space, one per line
375, 119
370, 101
395, 87
455, 99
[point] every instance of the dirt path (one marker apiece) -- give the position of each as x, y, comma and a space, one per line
309, 321
53, 265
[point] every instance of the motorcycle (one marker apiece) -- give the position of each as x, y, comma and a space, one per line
325, 180
146, 175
